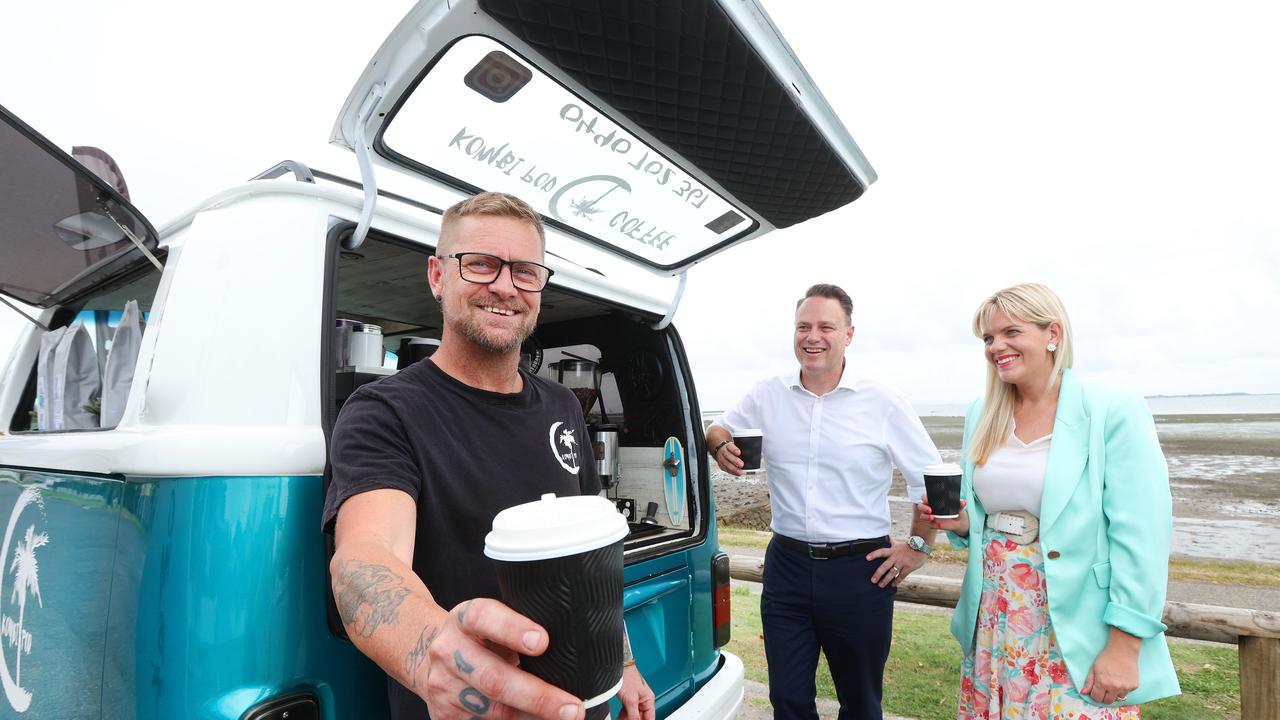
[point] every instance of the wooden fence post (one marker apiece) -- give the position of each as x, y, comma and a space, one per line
1259, 678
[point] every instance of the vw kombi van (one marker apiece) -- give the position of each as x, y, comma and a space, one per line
164, 415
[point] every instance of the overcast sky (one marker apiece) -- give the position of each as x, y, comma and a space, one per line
1125, 154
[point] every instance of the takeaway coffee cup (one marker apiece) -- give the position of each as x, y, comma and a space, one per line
942, 483
749, 443
559, 563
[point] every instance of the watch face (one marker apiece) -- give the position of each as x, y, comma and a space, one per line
914, 542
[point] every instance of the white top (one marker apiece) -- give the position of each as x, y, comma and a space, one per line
829, 460
554, 527
1013, 478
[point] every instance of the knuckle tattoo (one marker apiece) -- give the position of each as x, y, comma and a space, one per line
474, 701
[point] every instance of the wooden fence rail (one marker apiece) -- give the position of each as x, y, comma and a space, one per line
1255, 632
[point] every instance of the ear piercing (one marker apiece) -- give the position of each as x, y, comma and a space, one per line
439, 297
1050, 347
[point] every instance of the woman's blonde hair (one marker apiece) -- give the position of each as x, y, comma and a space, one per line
1030, 303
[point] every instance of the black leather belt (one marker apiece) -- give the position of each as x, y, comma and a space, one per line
826, 551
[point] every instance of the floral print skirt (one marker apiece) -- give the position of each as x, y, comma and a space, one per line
1016, 670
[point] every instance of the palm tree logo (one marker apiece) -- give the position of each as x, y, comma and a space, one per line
568, 460
27, 582
25, 571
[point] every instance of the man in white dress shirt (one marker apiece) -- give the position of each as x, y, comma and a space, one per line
831, 440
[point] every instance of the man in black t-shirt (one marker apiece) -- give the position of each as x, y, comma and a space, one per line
421, 463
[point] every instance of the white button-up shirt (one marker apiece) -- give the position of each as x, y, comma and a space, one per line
829, 459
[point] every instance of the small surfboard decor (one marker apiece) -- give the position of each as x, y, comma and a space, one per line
673, 483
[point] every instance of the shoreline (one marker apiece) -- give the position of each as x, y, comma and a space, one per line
1224, 475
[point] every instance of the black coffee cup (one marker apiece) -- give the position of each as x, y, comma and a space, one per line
559, 563
942, 484
413, 349
750, 442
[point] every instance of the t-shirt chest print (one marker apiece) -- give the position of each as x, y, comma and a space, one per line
564, 445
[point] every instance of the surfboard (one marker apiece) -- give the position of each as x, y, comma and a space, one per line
673, 484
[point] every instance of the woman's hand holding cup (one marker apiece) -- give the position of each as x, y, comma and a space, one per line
958, 524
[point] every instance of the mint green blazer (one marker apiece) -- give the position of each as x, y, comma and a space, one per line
1106, 517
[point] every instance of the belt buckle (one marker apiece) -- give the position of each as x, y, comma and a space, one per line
818, 552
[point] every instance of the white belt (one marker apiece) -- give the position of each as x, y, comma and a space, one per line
1021, 526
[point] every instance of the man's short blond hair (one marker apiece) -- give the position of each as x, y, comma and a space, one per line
495, 204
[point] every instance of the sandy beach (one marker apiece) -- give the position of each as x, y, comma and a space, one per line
1224, 473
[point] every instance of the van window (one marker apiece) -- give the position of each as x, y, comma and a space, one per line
96, 320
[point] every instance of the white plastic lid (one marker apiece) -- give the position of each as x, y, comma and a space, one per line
554, 527
942, 469
748, 432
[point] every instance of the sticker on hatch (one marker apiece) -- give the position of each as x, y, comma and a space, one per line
492, 120
20, 592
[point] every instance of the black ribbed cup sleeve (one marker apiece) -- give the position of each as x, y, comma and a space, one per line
578, 599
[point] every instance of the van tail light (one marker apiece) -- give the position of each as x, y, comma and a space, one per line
721, 615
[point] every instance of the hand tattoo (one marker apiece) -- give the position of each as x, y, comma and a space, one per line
463, 665
474, 700
368, 596
462, 613
418, 654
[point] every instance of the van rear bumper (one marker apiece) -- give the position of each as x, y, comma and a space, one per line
720, 697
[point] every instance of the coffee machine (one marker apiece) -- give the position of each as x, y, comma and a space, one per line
583, 377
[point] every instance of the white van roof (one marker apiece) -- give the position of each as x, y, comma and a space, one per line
663, 131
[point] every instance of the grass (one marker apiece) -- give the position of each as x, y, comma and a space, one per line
922, 678
1223, 572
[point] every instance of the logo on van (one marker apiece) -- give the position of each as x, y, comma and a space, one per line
21, 569
564, 447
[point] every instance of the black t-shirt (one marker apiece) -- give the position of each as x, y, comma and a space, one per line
464, 455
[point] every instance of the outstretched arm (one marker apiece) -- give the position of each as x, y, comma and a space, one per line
461, 662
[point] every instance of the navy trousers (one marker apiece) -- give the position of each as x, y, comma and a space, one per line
830, 605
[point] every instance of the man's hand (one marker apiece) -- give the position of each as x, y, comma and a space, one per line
1115, 671
636, 697
899, 562
730, 459
471, 667
723, 450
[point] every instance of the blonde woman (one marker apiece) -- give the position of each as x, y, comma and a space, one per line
1067, 518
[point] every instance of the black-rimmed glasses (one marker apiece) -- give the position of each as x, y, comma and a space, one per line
484, 269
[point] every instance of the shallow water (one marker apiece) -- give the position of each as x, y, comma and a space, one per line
1224, 475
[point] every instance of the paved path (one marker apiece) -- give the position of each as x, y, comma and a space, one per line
755, 706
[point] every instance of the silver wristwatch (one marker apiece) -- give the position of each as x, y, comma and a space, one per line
917, 543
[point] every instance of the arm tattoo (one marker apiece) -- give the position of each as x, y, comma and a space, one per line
418, 654
474, 701
368, 596
463, 665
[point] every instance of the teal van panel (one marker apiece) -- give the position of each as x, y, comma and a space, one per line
58, 540
219, 601
668, 605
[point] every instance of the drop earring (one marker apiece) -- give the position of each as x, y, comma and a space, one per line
1051, 347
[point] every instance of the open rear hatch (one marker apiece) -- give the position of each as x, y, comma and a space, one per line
664, 131
66, 231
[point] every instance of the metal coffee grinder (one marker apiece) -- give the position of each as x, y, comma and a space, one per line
604, 444
583, 377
